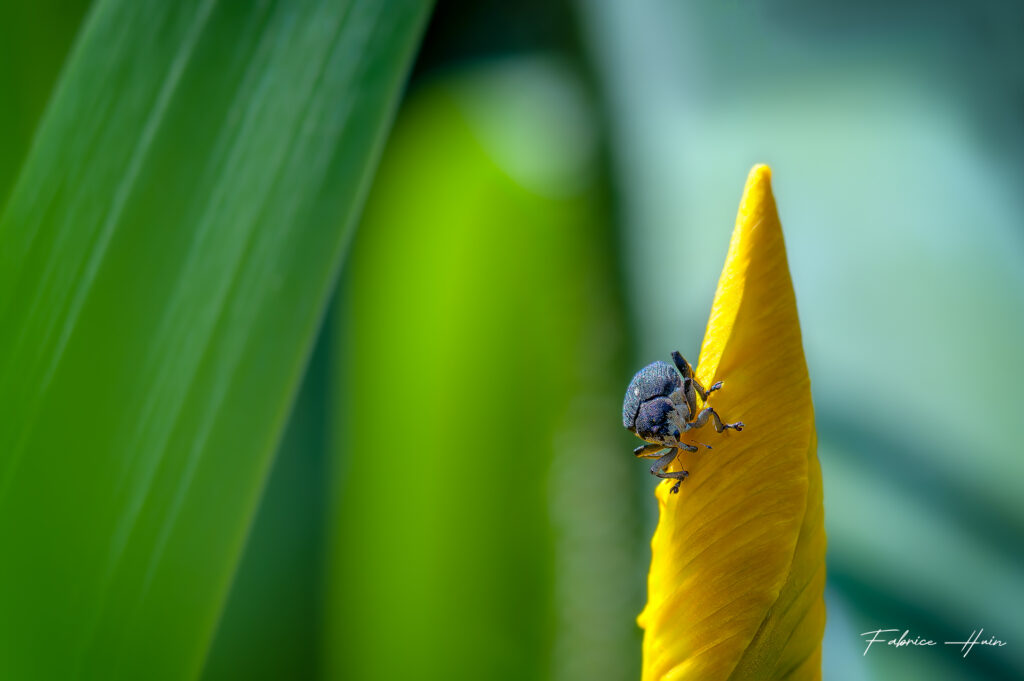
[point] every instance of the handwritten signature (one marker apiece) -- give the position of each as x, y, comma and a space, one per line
905, 640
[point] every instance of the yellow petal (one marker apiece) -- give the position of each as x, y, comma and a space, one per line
738, 566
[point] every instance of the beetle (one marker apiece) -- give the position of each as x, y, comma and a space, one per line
660, 406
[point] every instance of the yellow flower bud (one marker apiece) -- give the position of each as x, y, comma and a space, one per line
737, 575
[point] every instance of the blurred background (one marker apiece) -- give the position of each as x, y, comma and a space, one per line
454, 498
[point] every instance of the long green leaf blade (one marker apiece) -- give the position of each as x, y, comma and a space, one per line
165, 259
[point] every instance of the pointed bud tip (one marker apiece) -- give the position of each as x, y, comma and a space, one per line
760, 173
758, 202
759, 183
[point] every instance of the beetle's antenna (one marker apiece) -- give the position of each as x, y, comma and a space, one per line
698, 442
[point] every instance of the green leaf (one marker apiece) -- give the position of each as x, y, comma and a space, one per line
165, 259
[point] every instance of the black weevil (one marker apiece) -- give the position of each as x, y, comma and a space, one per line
661, 405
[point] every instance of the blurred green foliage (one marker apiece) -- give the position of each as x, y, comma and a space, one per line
477, 342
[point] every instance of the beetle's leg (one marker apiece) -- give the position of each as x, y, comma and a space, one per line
686, 370
684, 367
704, 393
648, 451
658, 469
661, 464
690, 396
707, 412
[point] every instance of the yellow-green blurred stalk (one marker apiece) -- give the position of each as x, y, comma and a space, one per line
483, 524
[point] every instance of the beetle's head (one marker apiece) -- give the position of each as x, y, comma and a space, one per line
656, 421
